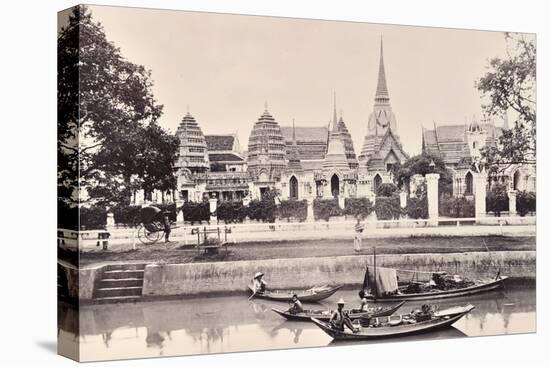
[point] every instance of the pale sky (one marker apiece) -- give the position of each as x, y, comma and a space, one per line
225, 67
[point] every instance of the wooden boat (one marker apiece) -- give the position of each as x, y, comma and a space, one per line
478, 287
397, 326
325, 315
314, 294
386, 287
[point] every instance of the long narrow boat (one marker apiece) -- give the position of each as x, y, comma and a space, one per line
384, 285
314, 294
477, 287
325, 315
397, 326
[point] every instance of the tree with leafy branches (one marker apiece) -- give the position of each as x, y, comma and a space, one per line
420, 164
510, 86
109, 142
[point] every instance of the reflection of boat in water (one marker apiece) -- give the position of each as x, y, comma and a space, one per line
325, 315
396, 326
446, 333
385, 285
314, 294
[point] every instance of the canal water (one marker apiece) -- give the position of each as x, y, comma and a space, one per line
232, 324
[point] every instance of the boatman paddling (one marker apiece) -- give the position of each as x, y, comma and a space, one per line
339, 319
258, 283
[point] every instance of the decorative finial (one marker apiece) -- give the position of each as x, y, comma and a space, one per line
334, 117
293, 132
265, 106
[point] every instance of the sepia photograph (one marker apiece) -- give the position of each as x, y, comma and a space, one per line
235, 183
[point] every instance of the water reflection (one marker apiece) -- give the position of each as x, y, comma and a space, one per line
229, 324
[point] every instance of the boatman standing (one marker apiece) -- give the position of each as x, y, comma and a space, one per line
357, 240
339, 319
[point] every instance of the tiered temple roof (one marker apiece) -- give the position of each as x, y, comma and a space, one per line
311, 141
266, 146
335, 159
223, 148
294, 162
450, 141
344, 134
193, 153
381, 128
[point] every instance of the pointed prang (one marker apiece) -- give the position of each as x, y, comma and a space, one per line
293, 132
382, 87
334, 117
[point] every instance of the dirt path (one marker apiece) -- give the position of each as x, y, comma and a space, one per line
177, 253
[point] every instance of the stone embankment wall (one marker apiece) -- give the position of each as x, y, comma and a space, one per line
196, 279
222, 277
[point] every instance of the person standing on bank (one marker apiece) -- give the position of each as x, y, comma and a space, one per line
167, 229
357, 239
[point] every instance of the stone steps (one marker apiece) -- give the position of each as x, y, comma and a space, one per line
118, 292
117, 283
117, 299
120, 283
123, 274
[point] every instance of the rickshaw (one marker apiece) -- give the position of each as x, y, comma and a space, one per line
151, 229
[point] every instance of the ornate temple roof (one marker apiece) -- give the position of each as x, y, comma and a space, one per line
221, 142
294, 163
266, 146
449, 141
345, 136
335, 159
224, 157
193, 152
381, 121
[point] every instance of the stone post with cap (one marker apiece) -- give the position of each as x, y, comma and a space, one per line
432, 182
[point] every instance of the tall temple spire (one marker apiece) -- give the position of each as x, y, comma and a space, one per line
334, 117
382, 94
294, 163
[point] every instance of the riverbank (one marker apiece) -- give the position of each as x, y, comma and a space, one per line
164, 281
177, 253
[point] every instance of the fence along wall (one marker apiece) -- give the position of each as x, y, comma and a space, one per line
224, 277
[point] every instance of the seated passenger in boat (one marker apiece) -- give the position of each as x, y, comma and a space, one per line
296, 305
339, 319
258, 283
363, 307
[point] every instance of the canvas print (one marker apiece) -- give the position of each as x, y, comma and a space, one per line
232, 183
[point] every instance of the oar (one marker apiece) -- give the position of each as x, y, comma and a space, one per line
253, 294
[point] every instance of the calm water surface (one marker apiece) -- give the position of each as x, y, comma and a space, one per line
231, 324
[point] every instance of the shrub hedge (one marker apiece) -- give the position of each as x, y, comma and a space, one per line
526, 202
358, 207
231, 212
326, 208
262, 210
94, 217
417, 207
387, 207
496, 200
456, 207
293, 209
